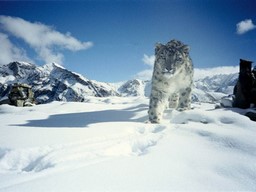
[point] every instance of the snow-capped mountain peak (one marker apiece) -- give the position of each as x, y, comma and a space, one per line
51, 82
54, 82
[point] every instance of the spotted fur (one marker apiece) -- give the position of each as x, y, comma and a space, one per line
172, 79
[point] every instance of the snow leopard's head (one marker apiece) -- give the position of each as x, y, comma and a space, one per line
170, 57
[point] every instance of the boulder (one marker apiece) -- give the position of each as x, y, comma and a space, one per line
21, 95
244, 90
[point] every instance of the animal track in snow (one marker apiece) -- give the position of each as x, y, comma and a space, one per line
194, 116
136, 142
202, 116
226, 120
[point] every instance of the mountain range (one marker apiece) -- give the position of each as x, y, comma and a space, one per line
52, 82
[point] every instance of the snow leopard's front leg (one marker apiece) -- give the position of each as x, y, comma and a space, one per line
157, 106
173, 101
185, 99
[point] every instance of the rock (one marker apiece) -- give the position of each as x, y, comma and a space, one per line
243, 89
21, 95
251, 115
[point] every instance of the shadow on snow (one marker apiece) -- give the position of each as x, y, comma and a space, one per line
86, 118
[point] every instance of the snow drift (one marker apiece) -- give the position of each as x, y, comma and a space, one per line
105, 145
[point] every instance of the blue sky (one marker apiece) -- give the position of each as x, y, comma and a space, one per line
106, 40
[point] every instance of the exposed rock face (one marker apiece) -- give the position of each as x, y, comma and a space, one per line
245, 89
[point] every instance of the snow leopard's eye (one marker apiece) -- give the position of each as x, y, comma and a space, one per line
179, 59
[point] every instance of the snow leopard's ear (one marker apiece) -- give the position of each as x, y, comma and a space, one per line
185, 49
158, 47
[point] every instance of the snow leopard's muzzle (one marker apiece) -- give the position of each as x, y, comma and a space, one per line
168, 68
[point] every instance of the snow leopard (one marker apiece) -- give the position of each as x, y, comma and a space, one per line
172, 79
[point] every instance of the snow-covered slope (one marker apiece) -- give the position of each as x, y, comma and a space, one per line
52, 82
105, 145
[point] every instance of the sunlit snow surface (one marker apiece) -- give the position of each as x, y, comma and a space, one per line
105, 144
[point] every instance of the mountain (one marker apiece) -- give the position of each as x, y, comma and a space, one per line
223, 83
135, 87
209, 89
213, 88
52, 82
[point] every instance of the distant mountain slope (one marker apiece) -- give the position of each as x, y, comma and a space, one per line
53, 82
217, 83
135, 87
213, 88
208, 89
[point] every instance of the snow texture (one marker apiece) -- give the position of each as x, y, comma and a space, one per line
105, 145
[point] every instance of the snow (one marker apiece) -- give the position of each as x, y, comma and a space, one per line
7, 79
201, 73
106, 144
51, 66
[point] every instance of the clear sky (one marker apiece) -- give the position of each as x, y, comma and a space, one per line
112, 40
